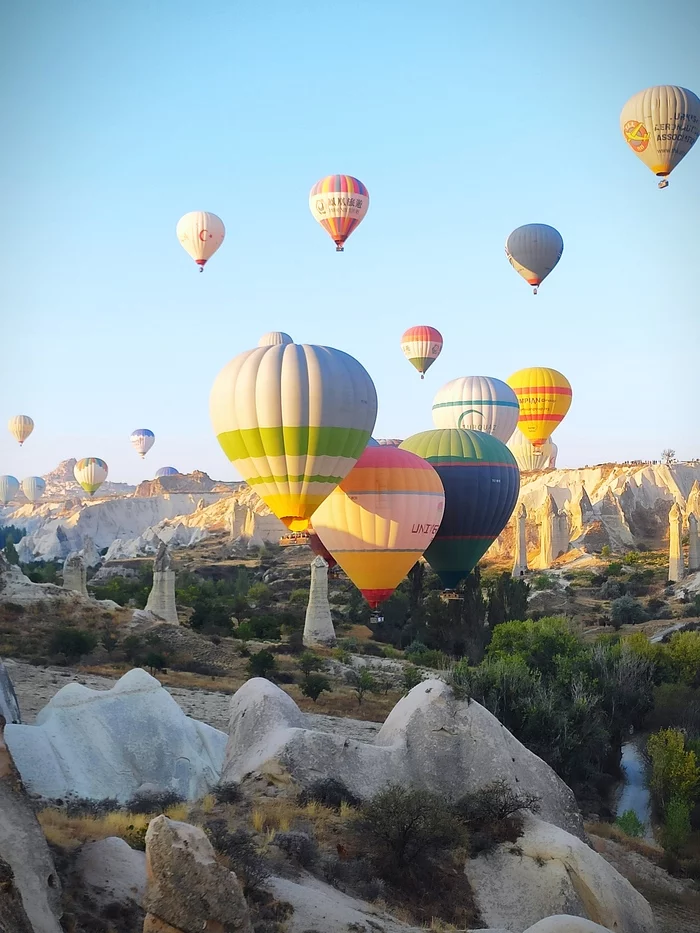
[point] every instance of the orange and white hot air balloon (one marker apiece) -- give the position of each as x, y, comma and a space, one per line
20, 427
381, 518
339, 203
201, 234
421, 346
544, 396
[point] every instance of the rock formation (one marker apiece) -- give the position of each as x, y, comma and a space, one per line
90, 554
9, 706
520, 558
13, 917
75, 574
318, 627
112, 871
108, 743
554, 533
429, 740
188, 890
676, 569
693, 543
161, 599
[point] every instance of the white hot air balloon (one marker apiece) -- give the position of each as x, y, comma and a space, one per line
142, 440
533, 251
477, 403
530, 458
201, 234
661, 125
9, 487
275, 338
33, 487
90, 473
20, 427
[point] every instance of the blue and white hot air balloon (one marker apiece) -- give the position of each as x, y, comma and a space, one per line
166, 471
142, 440
9, 487
33, 487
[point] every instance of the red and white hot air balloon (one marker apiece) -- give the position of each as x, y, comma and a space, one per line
201, 234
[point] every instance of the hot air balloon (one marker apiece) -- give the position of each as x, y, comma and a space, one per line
9, 487
166, 471
533, 251
661, 125
479, 403
339, 203
90, 473
201, 234
390, 441
318, 547
481, 482
544, 396
20, 427
142, 440
381, 518
421, 346
372, 443
33, 487
530, 458
293, 419
274, 338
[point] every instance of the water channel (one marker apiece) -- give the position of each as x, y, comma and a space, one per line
633, 793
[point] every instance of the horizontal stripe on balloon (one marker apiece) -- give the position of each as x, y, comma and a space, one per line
376, 493
459, 461
538, 417
543, 390
378, 550
285, 478
467, 538
281, 441
477, 402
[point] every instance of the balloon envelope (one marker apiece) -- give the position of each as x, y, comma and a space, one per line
544, 396
318, 547
421, 346
479, 403
390, 441
533, 251
90, 473
201, 234
293, 419
21, 426
9, 487
381, 518
661, 125
142, 440
339, 203
33, 487
481, 482
166, 471
530, 458
274, 338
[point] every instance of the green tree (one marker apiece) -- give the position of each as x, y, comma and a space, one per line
262, 664
676, 830
411, 677
674, 770
630, 824
310, 662
260, 594
73, 643
683, 657
605, 551
242, 582
11, 552
627, 611
314, 685
155, 661
538, 643
362, 683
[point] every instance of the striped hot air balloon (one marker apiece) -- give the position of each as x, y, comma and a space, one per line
20, 427
421, 346
274, 338
481, 481
544, 396
530, 458
142, 440
293, 419
166, 471
33, 487
339, 203
90, 473
319, 548
479, 403
9, 487
533, 251
381, 518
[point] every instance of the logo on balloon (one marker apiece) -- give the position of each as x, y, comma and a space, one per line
204, 235
636, 135
321, 206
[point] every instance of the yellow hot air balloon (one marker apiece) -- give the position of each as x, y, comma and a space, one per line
201, 234
20, 427
381, 518
661, 125
544, 396
90, 472
293, 419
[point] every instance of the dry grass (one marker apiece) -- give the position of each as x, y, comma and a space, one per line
280, 814
69, 832
342, 702
631, 843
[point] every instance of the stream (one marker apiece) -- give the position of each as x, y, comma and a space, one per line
633, 793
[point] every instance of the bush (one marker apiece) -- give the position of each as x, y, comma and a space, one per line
73, 643
295, 641
411, 677
260, 594
241, 851
230, 792
627, 611
493, 814
155, 661
362, 682
676, 830
299, 846
329, 793
612, 589
153, 801
674, 770
310, 662
314, 685
262, 664
614, 569
299, 597
192, 666
84, 806
543, 582
630, 824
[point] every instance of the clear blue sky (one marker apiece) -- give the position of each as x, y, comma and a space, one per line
463, 119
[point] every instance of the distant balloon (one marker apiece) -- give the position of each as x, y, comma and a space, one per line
293, 419
381, 518
390, 441
21, 426
339, 203
9, 487
530, 458
201, 234
166, 471
274, 338
533, 251
421, 346
544, 396
33, 487
142, 440
481, 482
90, 473
661, 125
479, 403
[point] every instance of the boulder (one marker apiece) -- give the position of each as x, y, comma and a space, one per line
108, 743
430, 740
549, 871
566, 924
113, 871
9, 706
13, 917
187, 888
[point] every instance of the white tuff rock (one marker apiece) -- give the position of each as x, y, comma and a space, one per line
75, 574
161, 599
676, 571
318, 626
9, 707
520, 551
113, 871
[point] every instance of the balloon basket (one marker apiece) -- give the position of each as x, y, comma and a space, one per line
449, 596
663, 183
376, 618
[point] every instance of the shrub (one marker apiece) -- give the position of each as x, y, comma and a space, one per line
73, 643
676, 830
84, 806
314, 685
230, 792
605, 551
155, 661
299, 597
153, 801
614, 569
627, 611
295, 641
362, 683
330, 793
283, 677
310, 662
543, 582
241, 852
612, 589
192, 666
674, 771
260, 594
630, 824
411, 677
493, 814
299, 846
262, 664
